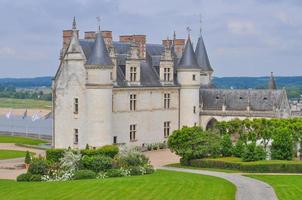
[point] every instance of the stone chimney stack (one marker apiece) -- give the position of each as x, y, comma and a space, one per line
67, 35
139, 39
90, 35
179, 45
107, 35
167, 43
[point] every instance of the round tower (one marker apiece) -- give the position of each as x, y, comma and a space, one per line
99, 86
188, 76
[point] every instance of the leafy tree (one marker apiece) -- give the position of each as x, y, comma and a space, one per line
252, 152
282, 145
193, 142
238, 149
226, 145
27, 158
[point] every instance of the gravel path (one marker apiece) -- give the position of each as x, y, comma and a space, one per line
247, 188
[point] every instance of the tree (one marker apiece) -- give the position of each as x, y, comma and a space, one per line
238, 149
193, 142
252, 152
27, 158
282, 145
226, 145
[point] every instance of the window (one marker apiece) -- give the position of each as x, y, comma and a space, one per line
114, 139
194, 109
76, 106
166, 74
166, 129
194, 77
132, 132
132, 102
111, 76
167, 100
132, 73
76, 136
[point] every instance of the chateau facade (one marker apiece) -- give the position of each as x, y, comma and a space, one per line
133, 92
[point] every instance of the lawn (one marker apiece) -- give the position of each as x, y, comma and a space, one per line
24, 103
287, 187
178, 165
8, 154
20, 140
160, 185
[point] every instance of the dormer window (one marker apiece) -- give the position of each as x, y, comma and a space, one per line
132, 74
166, 74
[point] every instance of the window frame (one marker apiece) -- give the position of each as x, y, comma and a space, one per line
132, 132
132, 100
76, 136
76, 106
167, 127
167, 100
133, 72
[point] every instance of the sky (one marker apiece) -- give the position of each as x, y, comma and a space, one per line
243, 37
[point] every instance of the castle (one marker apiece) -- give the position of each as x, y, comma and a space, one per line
136, 93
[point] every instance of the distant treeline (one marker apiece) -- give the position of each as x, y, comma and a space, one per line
293, 85
12, 92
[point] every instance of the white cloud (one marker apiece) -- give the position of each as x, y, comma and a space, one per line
241, 27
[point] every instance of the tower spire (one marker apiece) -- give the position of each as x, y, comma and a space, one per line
272, 83
189, 31
200, 24
74, 24
99, 23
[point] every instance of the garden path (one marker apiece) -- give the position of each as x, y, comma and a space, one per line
247, 188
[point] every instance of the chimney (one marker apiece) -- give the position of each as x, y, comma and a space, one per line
67, 35
141, 41
107, 38
179, 46
90, 35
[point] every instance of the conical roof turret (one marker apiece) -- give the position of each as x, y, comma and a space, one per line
188, 58
99, 55
202, 55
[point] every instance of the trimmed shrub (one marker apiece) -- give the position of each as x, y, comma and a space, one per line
54, 155
96, 163
129, 158
114, 173
226, 145
107, 150
238, 149
84, 174
162, 145
256, 167
27, 158
149, 147
149, 169
38, 166
26, 177
137, 171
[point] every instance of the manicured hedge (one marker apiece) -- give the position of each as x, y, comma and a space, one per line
54, 155
28, 177
84, 174
257, 167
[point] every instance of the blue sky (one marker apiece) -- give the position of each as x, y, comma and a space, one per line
243, 37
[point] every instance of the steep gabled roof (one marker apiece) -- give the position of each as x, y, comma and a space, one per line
188, 58
99, 54
272, 83
202, 55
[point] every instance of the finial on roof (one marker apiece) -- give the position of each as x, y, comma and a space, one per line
200, 24
174, 35
98, 18
74, 24
189, 31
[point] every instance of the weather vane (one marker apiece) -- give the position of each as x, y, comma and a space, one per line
189, 30
200, 23
98, 18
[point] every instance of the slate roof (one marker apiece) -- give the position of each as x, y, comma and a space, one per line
188, 58
202, 55
258, 100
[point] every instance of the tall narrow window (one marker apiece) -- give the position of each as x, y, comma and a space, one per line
132, 102
166, 129
167, 100
76, 106
132, 132
132, 73
76, 136
166, 74
194, 77
114, 139
194, 109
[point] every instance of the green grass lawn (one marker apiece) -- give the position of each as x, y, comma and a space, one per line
160, 185
20, 140
24, 103
287, 187
208, 169
8, 154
